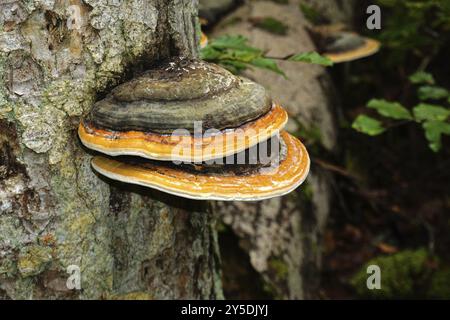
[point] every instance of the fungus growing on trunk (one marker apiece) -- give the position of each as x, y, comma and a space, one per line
201, 115
203, 40
348, 46
218, 113
340, 45
249, 183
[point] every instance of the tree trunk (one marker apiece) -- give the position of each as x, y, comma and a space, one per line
57, 58
334, 11
284, 236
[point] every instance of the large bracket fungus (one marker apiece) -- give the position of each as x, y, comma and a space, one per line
199, 114
156, 114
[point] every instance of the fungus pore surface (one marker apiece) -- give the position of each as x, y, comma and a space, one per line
258, 183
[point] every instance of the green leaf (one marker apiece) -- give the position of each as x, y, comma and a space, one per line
269, 64
271, 25
210, 54
235, 42
311, 14
234, 53
432, 93
235, 67
421, 77
311, 57
434, 131
240, 55
388, 109
368, 125
424, 111
228, 41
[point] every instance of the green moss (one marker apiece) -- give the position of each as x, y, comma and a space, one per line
271, 290
8, 267
279, 267
311, 133
5, 108
132, 296
33, 260
281, 1
307, 192
231, 21
272, 25
440, 285
24, 288
311, 14
221, 227
401, 275
72, 98
82, 224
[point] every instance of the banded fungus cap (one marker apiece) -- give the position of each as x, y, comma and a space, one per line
143, 118
203, 40
139, 116
340, 45
349, 46
203, 183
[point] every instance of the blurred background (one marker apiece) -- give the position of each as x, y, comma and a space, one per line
377, 131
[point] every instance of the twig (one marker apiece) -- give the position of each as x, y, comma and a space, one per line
332, 167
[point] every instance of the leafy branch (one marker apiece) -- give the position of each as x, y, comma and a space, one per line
235, 54
432, 117
417, 27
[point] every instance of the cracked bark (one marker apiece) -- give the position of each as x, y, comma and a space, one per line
54, 211
283, 237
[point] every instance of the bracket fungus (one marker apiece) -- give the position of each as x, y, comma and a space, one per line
340, 45
226, 183
182, 110
203, 40
193, 129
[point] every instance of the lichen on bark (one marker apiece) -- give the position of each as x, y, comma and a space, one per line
283, 236
56, 59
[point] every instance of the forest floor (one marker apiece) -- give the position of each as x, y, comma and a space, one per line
394, 193
391, 194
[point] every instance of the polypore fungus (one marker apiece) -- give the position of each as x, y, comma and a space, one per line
202, 116
139, 116
342, 46
203, 40
247, 183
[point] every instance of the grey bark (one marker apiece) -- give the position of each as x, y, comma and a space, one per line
54, 211
334, 11
211, 10
283, 236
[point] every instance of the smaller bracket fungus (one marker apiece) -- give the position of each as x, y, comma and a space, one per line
343, 46
203, 40
203, 182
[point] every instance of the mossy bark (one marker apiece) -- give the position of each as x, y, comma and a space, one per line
56, 59
284, 236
